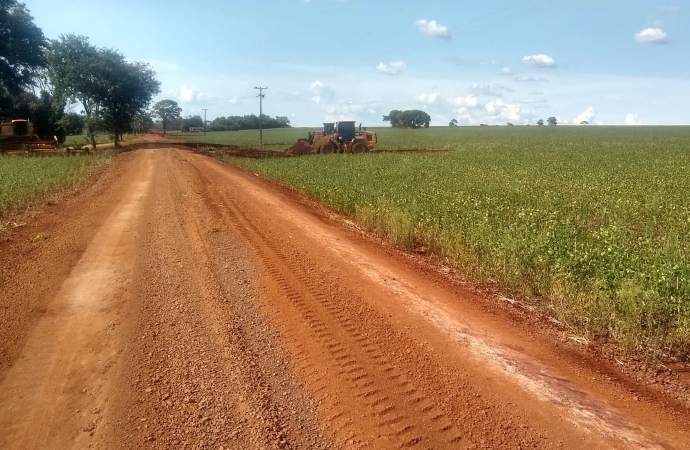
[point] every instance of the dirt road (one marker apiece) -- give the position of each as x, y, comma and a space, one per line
181, 303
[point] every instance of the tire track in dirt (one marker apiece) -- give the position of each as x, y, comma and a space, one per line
207, 373
332, 331
54, 391
389, 411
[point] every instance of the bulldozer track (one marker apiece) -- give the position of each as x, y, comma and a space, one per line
361, 366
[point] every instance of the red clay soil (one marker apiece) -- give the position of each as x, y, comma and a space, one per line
180, 303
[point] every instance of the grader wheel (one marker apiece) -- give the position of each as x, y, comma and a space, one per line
329, 148
359, 147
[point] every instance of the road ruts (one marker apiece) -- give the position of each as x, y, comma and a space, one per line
207, 372
206, 308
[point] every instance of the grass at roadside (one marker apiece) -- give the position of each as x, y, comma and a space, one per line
590, 224
82, 139
26, 179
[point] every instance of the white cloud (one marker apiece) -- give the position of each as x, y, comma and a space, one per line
539, 60
586, 116
427, 99
188, 94
462, 103
351, 110
394, 68
433, 28
530, 101
490, 90
501, 110
321, 92
506, 71
651, 36
657, 99
529, 79
600, 123
233, 101
632, 119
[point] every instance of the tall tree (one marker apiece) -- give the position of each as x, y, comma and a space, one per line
166, 110
126, 91
540, 122
112, 90
22, 47
552, 121
72, 123
73, 72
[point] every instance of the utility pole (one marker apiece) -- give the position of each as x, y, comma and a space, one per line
204, 109
261, 113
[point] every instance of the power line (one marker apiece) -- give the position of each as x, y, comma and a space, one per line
261, 112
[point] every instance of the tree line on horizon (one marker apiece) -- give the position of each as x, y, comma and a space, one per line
169, 114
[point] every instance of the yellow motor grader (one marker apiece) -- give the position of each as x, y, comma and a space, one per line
338, 137
19, 134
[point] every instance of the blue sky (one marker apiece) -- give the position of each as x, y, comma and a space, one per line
608, 62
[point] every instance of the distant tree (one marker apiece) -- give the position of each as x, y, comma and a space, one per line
283, 122
22, 53
166, 110
46, 115
552, 121
191, 121
73, 123
540, 122
248, 122
584, 122
394, 118
413, 118
483, 125
453, 123
142, 123
126, 92
510, 124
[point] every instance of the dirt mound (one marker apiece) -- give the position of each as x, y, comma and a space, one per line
302, 147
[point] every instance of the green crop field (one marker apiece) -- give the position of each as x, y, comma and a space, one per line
278, 139
25, 179
391, 139
590, 224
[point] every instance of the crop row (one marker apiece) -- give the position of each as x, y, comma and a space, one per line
26, 179
591, 226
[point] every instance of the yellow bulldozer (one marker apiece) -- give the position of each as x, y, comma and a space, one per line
19, 134
335, 137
